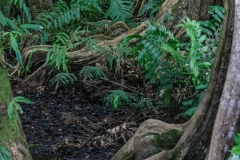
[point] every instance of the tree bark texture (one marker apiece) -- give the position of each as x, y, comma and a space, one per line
228, 117
195, 141
11, 134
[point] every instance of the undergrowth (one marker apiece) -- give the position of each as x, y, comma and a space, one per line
180, 70
179, 66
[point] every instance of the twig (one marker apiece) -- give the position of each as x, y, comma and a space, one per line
88, 138
118, 84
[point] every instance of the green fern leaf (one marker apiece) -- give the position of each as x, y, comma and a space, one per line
63, 78
119, 10
91, 72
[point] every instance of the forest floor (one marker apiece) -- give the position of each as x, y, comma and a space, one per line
68, 126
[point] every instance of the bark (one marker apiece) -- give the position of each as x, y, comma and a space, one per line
228, 116
195, 140
11, 133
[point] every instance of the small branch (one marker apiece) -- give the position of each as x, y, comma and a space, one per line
120, 85
88, 139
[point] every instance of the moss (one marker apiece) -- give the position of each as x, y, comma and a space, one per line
5, 92
177, 7
167, 140
10, 131
177, 153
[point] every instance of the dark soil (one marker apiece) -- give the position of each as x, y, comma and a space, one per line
66, 125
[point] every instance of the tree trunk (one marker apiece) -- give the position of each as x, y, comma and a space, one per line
195, 140
11, 134
228, 116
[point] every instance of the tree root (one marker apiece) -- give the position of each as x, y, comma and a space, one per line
79, 58
142, 145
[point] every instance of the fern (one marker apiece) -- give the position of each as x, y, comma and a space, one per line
119, 10
91, 72
149, 51
209, 26
90, 5
152, 7
4, 153
22, 6
118, 54
63, 78
63, 39
63, 14
217, 12
144, 104
7, 22
57, 58
117, 97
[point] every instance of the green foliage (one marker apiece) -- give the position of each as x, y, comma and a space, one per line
217, 12
90, 6
143, 105
235, 151
16, 31
118, 98
91, 72
119, 10
4, 153
149, 51
15, 104
151, 7
197, 49
155, 61
63, 78
165, 60
57, 58
23, 7
120, 53
7, 22
90, 44
17, 25
63, 14
63, 39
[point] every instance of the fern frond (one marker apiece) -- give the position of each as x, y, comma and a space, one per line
6, 21
63, 78
22, 6
152, 6
91, 72
119, 10
3, 19
64, 39
217, 12
117, 97
57, 58
89, 5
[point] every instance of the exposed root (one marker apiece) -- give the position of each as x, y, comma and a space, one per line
79, 58
142, 145
17, 150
